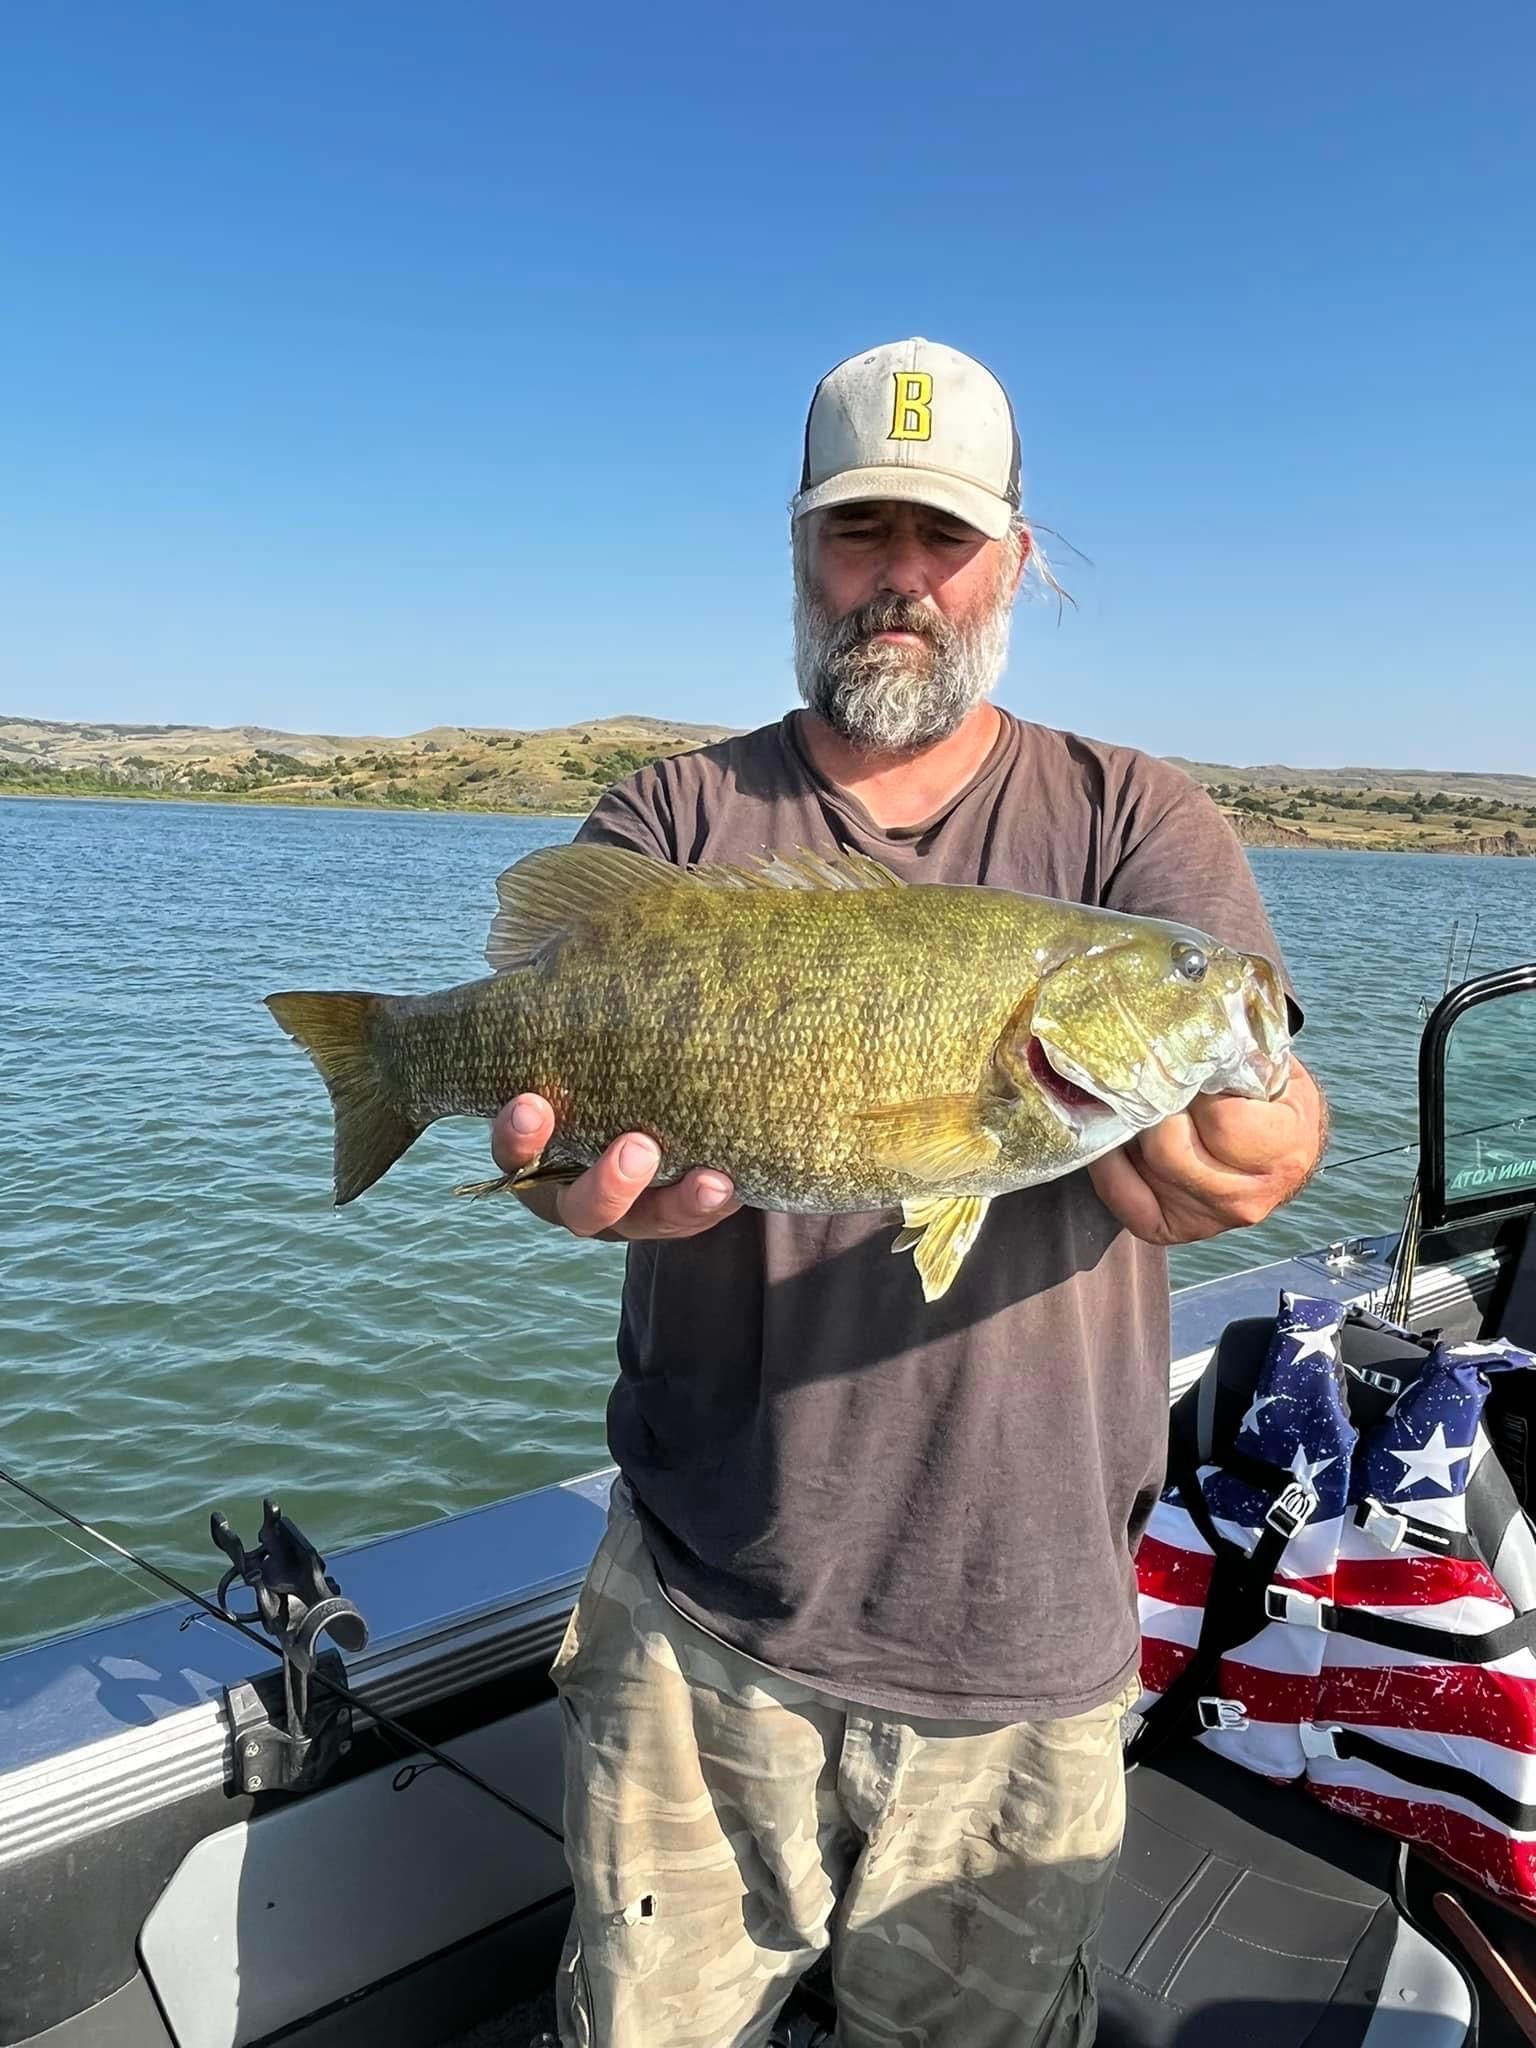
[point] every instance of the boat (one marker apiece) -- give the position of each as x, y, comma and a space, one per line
338, 1822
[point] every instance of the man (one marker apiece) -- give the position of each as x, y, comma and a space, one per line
849, 1666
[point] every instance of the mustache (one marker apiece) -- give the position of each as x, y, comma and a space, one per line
888, 614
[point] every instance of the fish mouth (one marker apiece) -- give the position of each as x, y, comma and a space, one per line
1062, 1092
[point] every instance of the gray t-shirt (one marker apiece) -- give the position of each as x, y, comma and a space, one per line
924, 1508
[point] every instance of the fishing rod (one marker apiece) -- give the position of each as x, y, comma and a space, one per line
1512, 1123
386, 1722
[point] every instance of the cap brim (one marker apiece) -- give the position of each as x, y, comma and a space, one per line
978, 507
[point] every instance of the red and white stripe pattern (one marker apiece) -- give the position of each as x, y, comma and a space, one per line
1296, 1422
1463, 1726
1451, 1732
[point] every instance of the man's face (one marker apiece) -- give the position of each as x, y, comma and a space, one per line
901, 620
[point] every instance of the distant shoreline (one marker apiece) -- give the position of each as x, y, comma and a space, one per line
1293, 843
562, 771
177, 798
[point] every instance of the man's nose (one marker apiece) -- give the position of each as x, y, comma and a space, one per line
907, 569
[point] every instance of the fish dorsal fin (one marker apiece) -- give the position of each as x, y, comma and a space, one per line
555, 887
803, 868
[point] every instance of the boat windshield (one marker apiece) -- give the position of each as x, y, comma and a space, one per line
1490, 1099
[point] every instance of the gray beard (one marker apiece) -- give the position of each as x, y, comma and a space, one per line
891, 699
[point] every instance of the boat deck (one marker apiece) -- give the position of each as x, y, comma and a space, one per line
530, 2025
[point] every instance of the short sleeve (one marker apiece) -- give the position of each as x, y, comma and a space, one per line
1188, 865
635, 814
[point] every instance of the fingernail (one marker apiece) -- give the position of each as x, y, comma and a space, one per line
638, 1158
525, 1119
713, 1194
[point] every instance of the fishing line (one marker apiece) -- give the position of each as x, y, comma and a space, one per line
1512, 1123
386, 1722
91, 1556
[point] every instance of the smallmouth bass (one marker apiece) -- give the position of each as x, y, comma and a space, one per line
830, 1037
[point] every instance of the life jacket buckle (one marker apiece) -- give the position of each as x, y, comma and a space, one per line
1293, 1507
1216, 1713
1289, 1603
1383, 1524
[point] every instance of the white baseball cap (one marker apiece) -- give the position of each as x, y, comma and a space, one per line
917, 421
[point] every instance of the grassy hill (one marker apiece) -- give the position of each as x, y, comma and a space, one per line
450, 767
565, 768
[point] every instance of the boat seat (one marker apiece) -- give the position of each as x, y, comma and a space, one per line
1244, 1916
1517, 1312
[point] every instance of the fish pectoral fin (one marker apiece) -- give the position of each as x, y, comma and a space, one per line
940, 1139
942, 1228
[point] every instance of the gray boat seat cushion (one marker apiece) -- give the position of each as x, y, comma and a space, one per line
1246, 1917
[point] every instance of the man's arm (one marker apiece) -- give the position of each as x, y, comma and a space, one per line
1225, 1162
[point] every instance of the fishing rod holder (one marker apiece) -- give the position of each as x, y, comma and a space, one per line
288, 1732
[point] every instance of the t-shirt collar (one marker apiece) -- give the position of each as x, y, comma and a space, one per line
1003, 750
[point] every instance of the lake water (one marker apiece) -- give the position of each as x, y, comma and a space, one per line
186, 1322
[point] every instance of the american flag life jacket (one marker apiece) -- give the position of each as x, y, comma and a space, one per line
1351, 1600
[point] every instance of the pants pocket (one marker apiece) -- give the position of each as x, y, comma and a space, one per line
621, 1529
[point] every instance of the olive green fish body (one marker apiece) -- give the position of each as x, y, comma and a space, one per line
829, 1038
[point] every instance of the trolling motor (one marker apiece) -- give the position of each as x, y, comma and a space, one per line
288, 1744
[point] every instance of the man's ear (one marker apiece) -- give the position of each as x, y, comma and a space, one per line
1026, 549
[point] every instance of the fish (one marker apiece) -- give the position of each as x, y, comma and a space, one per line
832, 1037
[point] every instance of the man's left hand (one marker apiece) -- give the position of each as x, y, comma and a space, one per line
1224, 1162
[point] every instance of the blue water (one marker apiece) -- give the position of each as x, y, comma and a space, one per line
185, 1320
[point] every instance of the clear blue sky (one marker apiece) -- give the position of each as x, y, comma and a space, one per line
366, 364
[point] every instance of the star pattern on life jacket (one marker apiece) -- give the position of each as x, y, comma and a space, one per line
1423, 1451
1297, 1420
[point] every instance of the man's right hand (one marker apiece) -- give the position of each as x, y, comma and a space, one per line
614, 1197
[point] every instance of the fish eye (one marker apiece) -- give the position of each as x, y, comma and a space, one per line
1190, 962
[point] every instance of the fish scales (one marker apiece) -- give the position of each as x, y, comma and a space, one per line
831, 1039
725, 1046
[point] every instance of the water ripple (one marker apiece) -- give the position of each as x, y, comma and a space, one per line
187, 1322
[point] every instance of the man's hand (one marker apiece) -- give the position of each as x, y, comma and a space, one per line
1225, 1162
613, 1198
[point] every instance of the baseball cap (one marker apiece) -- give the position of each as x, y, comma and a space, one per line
918, 421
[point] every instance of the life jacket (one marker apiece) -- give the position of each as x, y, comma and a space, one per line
1344, 1593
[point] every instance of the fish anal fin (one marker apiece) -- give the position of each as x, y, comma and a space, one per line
940, 1138
942, 1228
534, 1175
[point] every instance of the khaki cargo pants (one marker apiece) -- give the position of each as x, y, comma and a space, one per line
725, 1826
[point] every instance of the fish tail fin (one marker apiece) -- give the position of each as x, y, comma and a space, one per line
372, 1127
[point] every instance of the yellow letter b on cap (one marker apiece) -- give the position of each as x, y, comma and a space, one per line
912, 419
